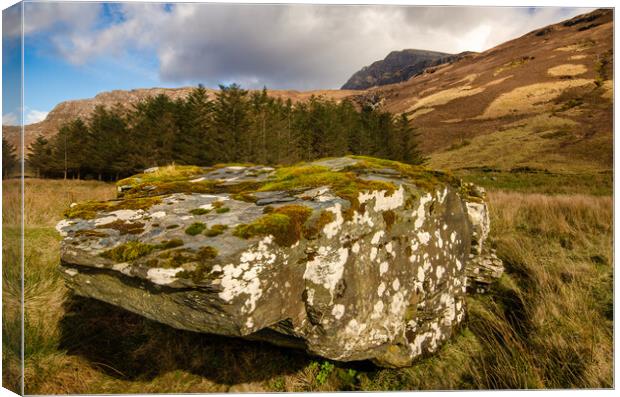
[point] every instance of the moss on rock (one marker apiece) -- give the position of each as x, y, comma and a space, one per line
284, 223
215, 230
315, 227
199, 211
124, 227
195, 228
133, 250
129, 251
90, 209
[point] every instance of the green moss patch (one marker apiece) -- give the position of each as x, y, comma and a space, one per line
418, 175
222, 210
284, 223
152, 189
195, 228
133, 250
314, 228
168, 173
90, 233
167, 244
244, 196
90, 209
202, 258
346, 185
124, 227
199, 211
129, 251
215, 230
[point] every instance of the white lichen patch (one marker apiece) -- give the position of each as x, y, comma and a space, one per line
332, 228
373, 253
158, 214
383, 201
395, 284
381, 289
420, 213
362, 219
327, 267
338, 311
62, 225
122, 215
245, 278
377, 310
207, 207
162, 276
124, 268
383, 268
377, 237
71, 272
424, 238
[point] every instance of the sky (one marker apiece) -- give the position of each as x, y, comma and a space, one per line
76, 50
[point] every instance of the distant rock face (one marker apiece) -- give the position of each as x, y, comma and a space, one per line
350, 258
396, 67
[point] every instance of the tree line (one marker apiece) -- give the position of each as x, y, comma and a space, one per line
235, 126
9, 159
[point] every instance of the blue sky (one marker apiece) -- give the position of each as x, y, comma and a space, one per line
76, 50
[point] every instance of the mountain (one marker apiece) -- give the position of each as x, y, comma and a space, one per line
543, 100
398, 66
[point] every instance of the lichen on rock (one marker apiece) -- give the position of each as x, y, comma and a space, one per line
350, 258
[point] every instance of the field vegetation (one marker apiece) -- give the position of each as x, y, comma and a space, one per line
546, 324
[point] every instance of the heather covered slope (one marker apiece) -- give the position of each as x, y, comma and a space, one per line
543, 100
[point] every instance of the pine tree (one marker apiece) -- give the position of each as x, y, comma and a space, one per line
231, 123
40, 157
9, 159
411, 152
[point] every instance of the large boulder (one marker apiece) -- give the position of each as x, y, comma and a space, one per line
350, 258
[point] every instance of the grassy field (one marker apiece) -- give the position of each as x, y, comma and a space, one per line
547, 323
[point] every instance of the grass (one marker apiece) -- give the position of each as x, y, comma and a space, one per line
569, 69
445, 96
546, 324
530, 98
542, 141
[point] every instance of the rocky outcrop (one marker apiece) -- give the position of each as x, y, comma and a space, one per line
396, 67
350, 258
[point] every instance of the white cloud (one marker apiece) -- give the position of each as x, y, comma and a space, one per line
10, 119
31, 116
281, 46
34, 116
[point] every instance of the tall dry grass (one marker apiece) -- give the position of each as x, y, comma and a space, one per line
547, 323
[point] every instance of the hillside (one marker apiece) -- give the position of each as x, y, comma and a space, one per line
543, 100
396, 67
68, 110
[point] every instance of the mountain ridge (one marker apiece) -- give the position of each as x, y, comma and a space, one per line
398, 66
548, 93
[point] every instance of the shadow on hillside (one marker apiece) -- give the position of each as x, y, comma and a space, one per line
127, 346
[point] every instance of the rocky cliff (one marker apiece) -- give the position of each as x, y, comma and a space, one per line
396, 67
